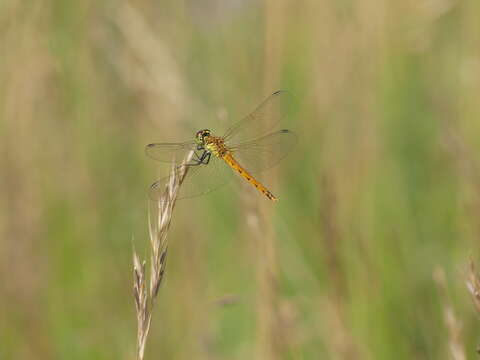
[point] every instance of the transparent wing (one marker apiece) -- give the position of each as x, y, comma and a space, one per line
169, 152
264, 152
200, 179
262, 120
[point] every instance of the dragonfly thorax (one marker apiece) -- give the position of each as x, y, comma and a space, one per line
210, 143
215, 145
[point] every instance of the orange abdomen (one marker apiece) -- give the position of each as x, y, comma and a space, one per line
230, 160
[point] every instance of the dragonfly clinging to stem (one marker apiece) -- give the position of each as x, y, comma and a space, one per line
248, 147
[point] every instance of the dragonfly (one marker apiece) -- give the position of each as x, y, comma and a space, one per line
248, 148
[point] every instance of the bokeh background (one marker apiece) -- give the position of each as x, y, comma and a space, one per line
366, 254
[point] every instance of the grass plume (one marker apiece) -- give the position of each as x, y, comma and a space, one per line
159, 220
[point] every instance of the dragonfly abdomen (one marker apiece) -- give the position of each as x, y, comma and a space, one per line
230, 160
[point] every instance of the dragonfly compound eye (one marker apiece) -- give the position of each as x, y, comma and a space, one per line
203, 133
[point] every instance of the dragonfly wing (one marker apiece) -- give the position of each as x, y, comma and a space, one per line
200, 179
264, 152
169, 152
262, 120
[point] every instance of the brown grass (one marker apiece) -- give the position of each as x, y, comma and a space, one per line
473, 285
160, 217
452, 323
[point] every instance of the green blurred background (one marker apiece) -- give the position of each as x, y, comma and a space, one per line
365, 255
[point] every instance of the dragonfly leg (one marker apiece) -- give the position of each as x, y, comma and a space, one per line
206, 159
197, 157
202, 159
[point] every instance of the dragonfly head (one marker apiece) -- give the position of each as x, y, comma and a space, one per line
201, 135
